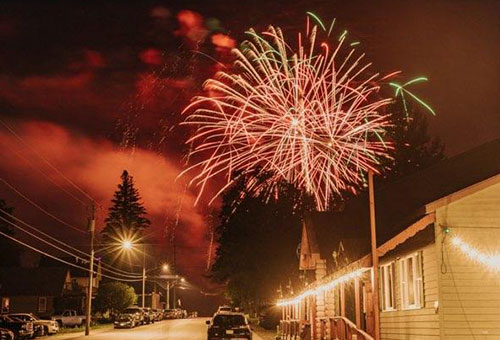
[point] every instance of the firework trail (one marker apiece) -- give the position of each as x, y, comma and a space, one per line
311, 115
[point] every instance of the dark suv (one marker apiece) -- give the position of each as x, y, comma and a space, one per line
227, 325
21, 329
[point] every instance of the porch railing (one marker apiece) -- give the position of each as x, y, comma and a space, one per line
290, 329
341, 328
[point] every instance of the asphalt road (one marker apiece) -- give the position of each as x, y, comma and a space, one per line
183, 329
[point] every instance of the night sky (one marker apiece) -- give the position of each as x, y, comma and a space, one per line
97, 87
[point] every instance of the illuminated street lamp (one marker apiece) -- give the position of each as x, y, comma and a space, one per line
128, 245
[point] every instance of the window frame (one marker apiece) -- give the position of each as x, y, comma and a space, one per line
416, 281
387, 285
5, 307
40, 299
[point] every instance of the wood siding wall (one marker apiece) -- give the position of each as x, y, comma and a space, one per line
470, 291
422, 323
29, 304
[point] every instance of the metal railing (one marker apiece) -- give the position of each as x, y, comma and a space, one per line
341, 328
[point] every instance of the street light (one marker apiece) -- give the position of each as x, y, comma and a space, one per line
127, 244
165, 267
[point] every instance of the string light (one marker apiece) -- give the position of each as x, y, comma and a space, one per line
323, 288
492, 261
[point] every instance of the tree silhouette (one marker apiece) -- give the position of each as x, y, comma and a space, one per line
127, 214
414, 148
257, 236
10, 252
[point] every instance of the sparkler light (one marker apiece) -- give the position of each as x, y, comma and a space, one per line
312, 115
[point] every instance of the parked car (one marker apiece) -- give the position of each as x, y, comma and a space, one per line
69, 318
137, 312
148, 315
170, 314
180, 313
158, 314
48, 326
228, 325
193, 315
38, 330
21, 329
125, 320
6, 334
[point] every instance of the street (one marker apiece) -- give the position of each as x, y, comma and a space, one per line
181, 329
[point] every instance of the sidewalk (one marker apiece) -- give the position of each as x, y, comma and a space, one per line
72, 335
263, 334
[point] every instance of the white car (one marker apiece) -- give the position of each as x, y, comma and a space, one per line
49, 326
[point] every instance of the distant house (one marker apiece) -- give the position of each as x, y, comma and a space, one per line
45, 290
439, 259
34, 290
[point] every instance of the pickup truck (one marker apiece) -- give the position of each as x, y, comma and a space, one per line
69, 318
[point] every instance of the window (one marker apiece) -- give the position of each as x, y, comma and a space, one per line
387, 275
42, 304
411, 281
5, 305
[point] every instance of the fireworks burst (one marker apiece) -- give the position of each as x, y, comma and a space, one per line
312, 115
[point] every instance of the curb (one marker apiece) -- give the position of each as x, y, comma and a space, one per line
76, 334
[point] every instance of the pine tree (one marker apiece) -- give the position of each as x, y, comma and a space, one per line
127, 214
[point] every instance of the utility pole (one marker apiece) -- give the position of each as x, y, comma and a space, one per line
168, 295
175, 295
143, 275
373, 232
91, 271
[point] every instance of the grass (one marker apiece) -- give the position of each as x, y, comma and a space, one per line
67, 330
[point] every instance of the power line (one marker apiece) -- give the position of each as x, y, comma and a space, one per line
47, 176
52, 216
59, 248
63, 261
40, 208
47, 162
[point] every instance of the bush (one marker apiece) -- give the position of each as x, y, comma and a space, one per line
114, 297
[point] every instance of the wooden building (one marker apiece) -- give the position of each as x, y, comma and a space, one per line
439, 259
33, 290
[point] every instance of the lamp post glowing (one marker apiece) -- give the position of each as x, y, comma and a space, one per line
143, 275
128, 245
